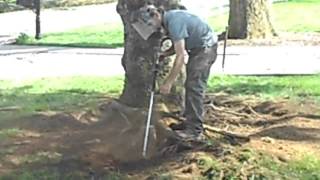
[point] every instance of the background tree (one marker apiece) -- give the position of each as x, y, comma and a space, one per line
250, 19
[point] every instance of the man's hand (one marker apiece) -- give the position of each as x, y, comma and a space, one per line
165, 88
161, 58
177, 66
167, 48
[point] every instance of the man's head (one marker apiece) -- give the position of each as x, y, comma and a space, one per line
149, 21
155, 16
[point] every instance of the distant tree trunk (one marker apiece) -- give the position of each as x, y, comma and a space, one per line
37, 8
139, 54
250, 19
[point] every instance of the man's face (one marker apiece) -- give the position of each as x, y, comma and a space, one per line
149, 22
155, 20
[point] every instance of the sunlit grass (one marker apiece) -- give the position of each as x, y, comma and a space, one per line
293, 16
67, 94
64, 94
269, 86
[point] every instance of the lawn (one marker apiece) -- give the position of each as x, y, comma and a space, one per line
67, 94
105, 35
56, 94
307, 167
76, 93
297, 16
268, 86
287, 17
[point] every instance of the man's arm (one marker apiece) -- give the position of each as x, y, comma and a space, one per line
168, 52
179, 48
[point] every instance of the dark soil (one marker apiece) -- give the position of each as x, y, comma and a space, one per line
99, 141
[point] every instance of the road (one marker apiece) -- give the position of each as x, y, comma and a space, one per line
31, 62
27, 62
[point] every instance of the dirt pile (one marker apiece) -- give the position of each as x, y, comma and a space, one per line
110, 138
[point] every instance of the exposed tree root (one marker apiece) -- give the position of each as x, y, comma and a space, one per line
11, 108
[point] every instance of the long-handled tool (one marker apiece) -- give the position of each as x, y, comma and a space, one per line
153, 88
225, 47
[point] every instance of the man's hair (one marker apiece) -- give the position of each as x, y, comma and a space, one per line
152, 10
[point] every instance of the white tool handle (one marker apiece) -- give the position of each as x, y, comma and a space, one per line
146, 135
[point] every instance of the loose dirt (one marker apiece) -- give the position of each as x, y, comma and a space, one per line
109, 138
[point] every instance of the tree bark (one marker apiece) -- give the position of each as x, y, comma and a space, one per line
139, 54
237, 19
250, 19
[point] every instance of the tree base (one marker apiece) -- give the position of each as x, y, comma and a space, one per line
124, 127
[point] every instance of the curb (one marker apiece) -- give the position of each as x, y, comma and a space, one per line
7, 39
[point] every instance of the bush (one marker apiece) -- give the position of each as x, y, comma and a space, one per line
8, 7
23, 38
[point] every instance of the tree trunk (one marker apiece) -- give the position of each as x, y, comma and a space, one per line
250, 19
139, 54
237, 19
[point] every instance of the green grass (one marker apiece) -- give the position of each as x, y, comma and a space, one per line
297, 16
68, 94
54, 174
105, 35
30, 175
57, 94
261, 165
219, 23
5, 133
307, 167
71, 93
293, 16
40, 157
269, 86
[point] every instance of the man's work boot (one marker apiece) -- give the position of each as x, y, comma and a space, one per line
179, 126
190, 135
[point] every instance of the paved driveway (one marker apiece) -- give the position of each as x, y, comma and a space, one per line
26, 62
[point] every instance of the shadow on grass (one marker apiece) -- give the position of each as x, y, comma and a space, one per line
291, 133
60, 100
85, 149
284, 119
248, 88
81, 45
268, 86
53, 172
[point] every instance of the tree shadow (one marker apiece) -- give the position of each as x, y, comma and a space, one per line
84, 146
281, 120
77, 45
20, 96
28, 102
247, 88
55, 47
85, 45
291, 133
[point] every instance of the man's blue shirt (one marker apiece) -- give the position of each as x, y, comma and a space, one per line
183, 25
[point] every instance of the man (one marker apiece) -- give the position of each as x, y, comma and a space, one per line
188, 33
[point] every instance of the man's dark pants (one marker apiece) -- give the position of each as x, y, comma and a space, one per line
198, 70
